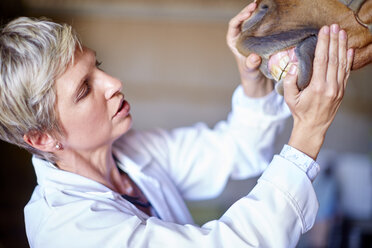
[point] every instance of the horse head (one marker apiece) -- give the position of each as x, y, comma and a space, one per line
284, 32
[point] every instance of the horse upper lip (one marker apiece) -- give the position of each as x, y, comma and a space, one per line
267, 45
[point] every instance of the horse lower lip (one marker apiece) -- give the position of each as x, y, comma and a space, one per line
305, 52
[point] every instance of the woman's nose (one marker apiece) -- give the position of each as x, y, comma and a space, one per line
112, 86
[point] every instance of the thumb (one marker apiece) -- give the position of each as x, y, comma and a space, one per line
253, 61
290, 83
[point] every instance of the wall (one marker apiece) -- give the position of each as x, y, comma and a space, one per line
175, 66
177, 70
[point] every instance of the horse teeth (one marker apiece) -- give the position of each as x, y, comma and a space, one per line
283, 62
286, 70
276, 72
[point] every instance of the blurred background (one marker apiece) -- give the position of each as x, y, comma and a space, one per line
176, 69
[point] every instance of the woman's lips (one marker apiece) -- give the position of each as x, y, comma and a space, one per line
123, 110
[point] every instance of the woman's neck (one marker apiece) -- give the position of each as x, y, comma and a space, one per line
98, 166
101, 167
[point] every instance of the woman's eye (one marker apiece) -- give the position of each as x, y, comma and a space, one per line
98, 63
85, 89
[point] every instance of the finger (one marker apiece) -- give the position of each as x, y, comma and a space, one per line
235, 23
253, 61
342, 58
350, 58
290, 85
321, 56
249, 8
333, 57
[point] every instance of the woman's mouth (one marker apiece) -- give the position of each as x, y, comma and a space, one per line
123, 109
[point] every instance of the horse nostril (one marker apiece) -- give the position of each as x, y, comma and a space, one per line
264, 6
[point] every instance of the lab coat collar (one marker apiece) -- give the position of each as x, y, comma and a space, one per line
130, 158
136, 165
48, 174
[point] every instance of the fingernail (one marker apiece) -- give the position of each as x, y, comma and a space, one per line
254, 58
326, 29
335, 28
293, 70
350, 52
343, 35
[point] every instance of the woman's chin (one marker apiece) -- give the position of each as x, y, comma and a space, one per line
125, 125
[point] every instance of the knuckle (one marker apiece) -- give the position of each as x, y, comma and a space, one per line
334, 37
323, 41
333, 60
321, 58
323, 37
318, 89
340, 95
331, 93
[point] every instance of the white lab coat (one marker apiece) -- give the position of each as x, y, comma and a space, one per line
68, 210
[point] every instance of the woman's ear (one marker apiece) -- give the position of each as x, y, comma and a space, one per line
41, 141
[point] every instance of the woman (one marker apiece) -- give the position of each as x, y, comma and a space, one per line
102, 185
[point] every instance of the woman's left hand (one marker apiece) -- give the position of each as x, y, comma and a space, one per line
315, 107
255, 84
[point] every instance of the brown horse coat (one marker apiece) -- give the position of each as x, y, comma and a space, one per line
279, 25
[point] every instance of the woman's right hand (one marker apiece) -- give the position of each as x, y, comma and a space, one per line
254, 83
315, 107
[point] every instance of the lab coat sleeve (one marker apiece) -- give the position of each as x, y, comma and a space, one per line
280, 207
200, 160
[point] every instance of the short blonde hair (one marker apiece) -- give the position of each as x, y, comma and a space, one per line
33, 54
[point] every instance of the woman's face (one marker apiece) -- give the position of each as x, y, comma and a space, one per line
90, 107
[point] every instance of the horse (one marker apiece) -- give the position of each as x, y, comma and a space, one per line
284, 32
